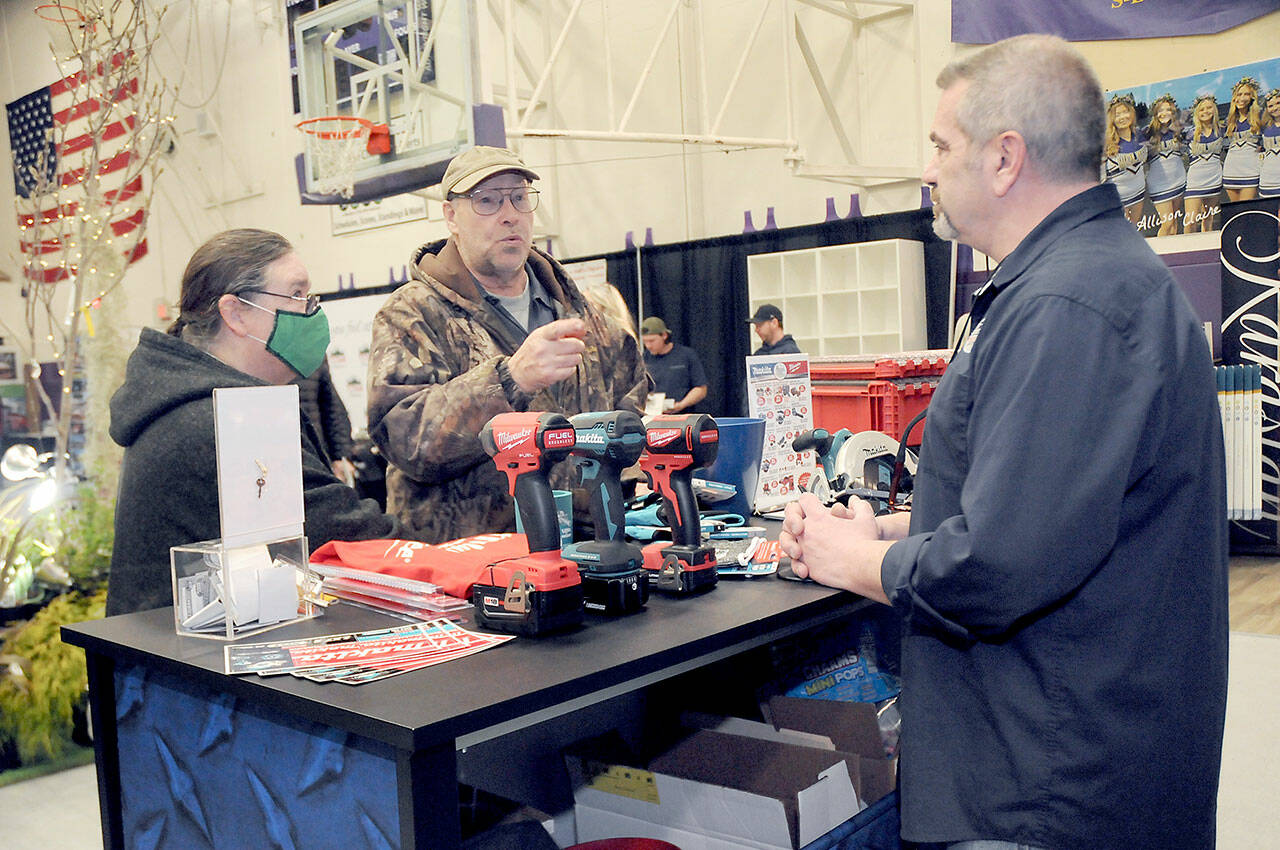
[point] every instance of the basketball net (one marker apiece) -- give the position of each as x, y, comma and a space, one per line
66, 26
335, 147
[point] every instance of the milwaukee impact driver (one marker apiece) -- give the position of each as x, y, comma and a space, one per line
675, 445
539, 592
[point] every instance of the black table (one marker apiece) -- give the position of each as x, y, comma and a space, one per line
184, 750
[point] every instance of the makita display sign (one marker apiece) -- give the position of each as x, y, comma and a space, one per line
762, 371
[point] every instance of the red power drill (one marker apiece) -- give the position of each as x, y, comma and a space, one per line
540, 592
675, 445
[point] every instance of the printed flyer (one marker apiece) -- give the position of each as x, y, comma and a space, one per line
780, 392
361, 657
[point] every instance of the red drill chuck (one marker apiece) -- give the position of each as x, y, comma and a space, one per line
524, 446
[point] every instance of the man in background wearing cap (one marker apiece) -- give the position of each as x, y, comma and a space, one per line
676, 370
488, 324
768, 322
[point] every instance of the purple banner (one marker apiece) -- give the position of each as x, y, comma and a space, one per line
985, 21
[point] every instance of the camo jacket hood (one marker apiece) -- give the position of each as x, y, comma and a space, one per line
437, 374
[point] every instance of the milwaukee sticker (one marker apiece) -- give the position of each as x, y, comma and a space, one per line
661, 436
505, 440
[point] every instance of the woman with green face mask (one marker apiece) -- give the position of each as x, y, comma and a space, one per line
247, 318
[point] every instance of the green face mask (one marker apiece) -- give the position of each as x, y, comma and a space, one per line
298, 339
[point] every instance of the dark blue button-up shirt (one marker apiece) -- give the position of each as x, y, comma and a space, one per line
1064, 586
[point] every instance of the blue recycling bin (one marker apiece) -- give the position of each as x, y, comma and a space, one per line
738, 461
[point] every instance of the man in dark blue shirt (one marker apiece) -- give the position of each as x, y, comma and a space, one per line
773, 340
676, 370
1062, 573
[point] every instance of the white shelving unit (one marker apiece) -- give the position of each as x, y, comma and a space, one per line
860, 298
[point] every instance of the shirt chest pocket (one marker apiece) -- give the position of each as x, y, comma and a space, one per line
945, 452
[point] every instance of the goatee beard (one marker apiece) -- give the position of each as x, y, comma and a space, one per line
943, 227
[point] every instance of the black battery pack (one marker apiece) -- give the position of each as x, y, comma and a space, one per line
541, 611
684, 569
614, 594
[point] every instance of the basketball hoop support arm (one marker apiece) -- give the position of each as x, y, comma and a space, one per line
361, 62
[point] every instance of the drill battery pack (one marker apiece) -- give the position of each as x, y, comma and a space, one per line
616, 593
680, 570
613, 577
529, 597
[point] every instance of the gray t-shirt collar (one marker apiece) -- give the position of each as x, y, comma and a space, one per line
532, 308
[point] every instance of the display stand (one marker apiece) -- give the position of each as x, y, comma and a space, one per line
228, 593
1251, 335
255, 576
335, 766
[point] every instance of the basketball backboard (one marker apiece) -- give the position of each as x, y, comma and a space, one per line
406, 64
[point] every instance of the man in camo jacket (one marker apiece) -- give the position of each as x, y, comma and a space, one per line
488, 324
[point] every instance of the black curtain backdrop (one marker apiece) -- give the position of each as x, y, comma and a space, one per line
700, 289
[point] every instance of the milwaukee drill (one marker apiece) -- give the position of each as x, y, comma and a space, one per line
613, 576
539, 592
675, 445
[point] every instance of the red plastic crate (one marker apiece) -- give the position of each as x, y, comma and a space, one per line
872, 367
885, 406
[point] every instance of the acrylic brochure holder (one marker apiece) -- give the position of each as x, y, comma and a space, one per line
251, 579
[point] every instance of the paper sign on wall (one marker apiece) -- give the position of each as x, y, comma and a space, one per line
588, 272
350, 336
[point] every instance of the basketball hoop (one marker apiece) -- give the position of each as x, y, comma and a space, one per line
337, 144
66, 25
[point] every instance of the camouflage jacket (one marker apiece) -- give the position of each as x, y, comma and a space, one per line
437, 374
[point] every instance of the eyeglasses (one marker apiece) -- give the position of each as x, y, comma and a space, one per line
312, 302
489, 201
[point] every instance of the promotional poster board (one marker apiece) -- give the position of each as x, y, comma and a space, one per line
780, 392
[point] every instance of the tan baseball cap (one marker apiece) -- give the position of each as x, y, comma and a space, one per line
471, 166
653, 325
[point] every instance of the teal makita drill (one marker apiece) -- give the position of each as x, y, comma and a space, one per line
613, 577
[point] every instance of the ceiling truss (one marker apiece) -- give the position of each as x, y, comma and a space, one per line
532, 111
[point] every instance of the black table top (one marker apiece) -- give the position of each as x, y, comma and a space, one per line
501, 689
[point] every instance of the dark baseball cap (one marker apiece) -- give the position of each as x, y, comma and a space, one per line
764, 313
479, 163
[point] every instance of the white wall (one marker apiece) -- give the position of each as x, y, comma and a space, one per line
596, 191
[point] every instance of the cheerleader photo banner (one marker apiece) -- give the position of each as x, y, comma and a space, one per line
1179, 149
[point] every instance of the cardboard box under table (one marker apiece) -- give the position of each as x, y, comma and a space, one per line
754, 788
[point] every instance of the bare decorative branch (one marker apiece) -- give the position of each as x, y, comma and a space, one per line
88, 189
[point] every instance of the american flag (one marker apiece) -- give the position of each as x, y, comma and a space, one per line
55, 124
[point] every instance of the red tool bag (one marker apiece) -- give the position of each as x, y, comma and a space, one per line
453, 566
